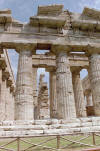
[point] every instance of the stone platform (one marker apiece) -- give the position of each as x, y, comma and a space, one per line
49, 127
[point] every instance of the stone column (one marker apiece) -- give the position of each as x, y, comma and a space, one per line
88, 95
94, 74
78, 95
35, 92
2, 96
24, 87
0, 82
53, 99
7, 102
65, 96
3, 100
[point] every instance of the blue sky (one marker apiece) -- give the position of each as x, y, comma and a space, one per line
23, 9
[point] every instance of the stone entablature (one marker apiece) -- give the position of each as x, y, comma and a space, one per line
47, 60
67, 33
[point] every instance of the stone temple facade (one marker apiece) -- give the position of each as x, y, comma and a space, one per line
73, 41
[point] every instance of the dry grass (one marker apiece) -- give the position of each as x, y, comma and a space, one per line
53, 143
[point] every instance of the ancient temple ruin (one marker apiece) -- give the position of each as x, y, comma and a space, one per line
73, 42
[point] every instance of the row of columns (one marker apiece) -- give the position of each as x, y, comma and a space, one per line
63, 104
78, 95
77, 90
6, 99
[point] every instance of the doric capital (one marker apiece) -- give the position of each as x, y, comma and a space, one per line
23, 46
76, 70
92, 49
56, 49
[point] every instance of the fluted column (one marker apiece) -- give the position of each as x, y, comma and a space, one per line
79, 95
3, 100
24, 87
65, 97
2, 96
94, 74
0, 82
88, 95
8, 107
35, 92
53, 98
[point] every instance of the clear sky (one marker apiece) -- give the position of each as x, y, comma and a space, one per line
23, 9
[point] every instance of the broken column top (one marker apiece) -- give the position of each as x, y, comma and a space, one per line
41, 77
5, 11
5, 16
48, 16
92, 13
50, 10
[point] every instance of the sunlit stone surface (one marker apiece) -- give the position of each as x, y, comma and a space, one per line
73, 41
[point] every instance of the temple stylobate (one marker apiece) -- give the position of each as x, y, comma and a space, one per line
73, 41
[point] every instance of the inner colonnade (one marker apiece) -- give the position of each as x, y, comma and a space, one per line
66, 96
77, 63
47, 61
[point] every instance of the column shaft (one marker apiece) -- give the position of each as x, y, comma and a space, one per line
3, 100
65, 96
2, 96
24, 87
53, 99
79, 96
35, 92
0, 82
94, 73
89, 98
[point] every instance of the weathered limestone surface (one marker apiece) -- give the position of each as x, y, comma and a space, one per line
86, 83
88, 95
65, 96
3, 100
7, 85
35, 95
94, 74
51, 29
78, 95
24, 87
53, 95
49, 127
0, 93
47, 60
43, 99
9, 105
